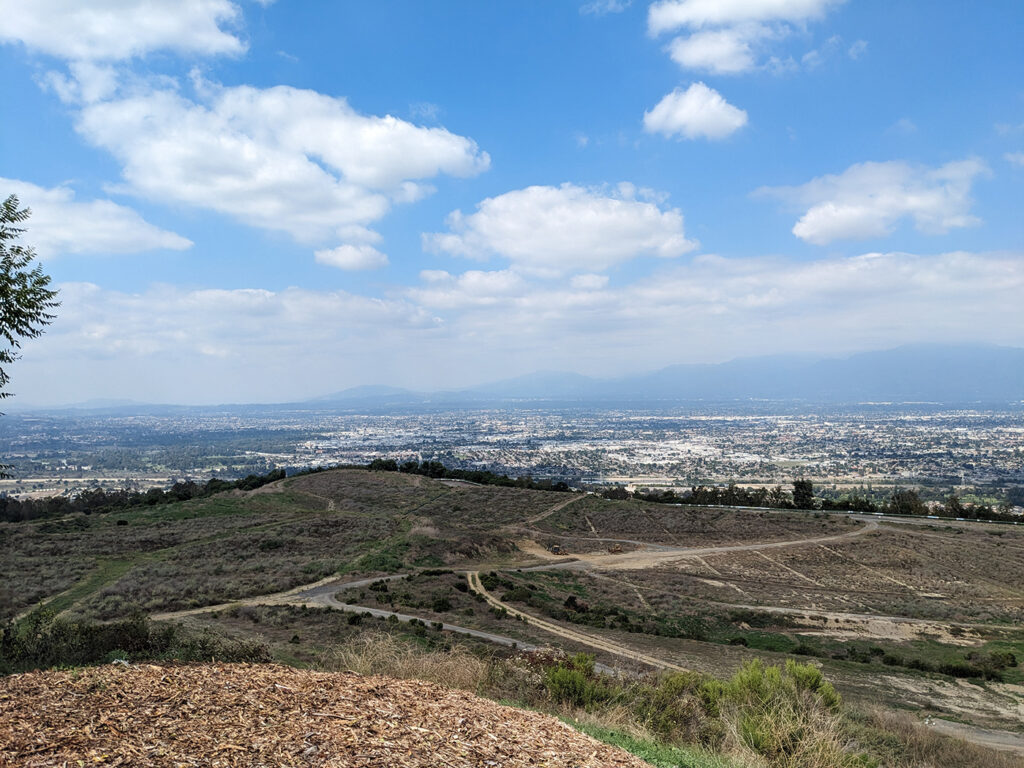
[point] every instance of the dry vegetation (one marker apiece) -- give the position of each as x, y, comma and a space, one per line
698, 612
962, 575
762, 716
209, 551
685, 526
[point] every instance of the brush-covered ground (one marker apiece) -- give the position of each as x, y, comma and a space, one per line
907, 620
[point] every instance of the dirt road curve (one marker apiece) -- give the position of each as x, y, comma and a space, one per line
322, 595
654, 555
1004, 741
576, 636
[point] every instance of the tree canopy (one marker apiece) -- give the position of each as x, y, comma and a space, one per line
26, 301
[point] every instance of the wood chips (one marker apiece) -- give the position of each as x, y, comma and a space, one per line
269, 715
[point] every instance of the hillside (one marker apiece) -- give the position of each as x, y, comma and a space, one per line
244, 715
898, 613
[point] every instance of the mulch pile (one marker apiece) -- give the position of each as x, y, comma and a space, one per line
268, 715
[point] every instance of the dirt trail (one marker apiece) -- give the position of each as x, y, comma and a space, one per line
647, 555
655, 555
1005, 741
813, 612
866, 625
583, 638
548, 512
295, 596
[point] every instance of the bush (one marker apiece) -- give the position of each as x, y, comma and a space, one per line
679, 710
571, 684
42, 641
441, 604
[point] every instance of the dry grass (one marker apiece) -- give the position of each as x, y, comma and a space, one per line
381, 654
913, 746
785, 737
686, 525
229, 546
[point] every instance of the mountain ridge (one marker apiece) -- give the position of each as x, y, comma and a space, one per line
909, 373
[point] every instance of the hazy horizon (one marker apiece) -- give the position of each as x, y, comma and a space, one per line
885, 373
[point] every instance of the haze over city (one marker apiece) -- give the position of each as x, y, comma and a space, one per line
269, 201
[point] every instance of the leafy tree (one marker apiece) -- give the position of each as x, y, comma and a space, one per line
803, 494
25, 300
954, 507
778, 498
905, 501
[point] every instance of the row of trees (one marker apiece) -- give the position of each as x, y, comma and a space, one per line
436, 469
903, 501
100, 501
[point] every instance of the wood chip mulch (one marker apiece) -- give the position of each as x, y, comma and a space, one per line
271, 716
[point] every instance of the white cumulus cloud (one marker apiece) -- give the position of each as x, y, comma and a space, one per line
1015, 158
562, 229
61, 225
720, 51
121, 29
713, 308
277, 158
725, 36
870, 199
352, 257
668, 15
172, 344
697, 112
589, 282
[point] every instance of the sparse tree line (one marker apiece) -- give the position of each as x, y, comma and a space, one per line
438, 470
902, 501
97, 500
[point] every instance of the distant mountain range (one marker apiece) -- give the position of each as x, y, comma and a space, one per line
919, 373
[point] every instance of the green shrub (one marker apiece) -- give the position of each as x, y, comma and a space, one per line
788, 715
441, 604
572, 682
677, 709
42, 641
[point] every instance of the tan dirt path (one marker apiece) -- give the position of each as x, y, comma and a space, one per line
600, 643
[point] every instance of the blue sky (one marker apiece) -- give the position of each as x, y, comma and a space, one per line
247, 201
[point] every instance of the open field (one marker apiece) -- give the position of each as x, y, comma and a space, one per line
919, 617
